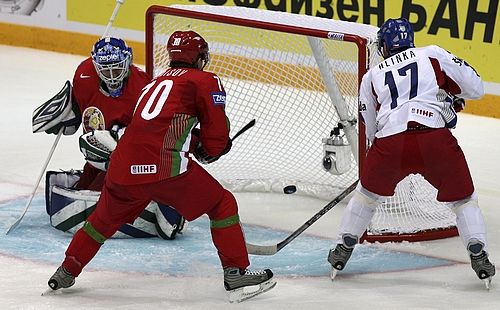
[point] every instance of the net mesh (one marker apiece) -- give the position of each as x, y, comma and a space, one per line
272, 76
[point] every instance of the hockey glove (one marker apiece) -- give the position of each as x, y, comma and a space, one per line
97, 147
195, 139
203, 157
458, 104
58, 112
196, 132
117, 131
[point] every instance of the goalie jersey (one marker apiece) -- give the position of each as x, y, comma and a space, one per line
100, 111
406, 88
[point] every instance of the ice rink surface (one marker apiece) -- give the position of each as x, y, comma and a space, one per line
183, 274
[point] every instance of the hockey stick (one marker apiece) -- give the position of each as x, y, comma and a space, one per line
273, 249
59, 134
16, 223
113, 16
245, 128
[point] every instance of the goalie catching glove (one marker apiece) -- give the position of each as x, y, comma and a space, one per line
58, 113
97, 146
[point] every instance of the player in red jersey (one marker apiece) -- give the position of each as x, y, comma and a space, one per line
104, 93
152, 162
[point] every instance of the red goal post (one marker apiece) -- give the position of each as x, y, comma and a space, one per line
298, 76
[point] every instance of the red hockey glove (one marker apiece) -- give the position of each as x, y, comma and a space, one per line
203, 157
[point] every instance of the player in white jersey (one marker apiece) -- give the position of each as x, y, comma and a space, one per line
408, 125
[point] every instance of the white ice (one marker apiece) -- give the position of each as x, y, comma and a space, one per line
29, 77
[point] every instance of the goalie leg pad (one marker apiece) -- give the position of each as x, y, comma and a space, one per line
170, 222
160, 220
58, 178
69, 208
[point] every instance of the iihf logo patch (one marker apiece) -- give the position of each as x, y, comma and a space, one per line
143, 169
219, 98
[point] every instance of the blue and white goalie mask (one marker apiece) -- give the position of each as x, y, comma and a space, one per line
112, 59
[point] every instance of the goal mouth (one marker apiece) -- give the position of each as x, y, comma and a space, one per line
274, 67
298, 76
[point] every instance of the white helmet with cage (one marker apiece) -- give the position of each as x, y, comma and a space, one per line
112, 59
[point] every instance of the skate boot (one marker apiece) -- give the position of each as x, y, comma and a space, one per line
480, 263
61, 279
245, 284
339, 256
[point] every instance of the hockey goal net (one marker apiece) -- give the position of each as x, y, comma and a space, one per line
298, 77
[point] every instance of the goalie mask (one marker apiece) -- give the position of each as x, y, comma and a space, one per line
188, 47
112, 59
394, 36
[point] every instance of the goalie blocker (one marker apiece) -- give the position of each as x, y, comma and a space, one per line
69, 208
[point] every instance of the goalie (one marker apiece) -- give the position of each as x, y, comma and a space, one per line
103, 96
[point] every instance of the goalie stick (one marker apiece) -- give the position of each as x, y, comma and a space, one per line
30, 199
275, 248
59, 134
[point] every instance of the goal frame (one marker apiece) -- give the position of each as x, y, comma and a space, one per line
363, 66
360, 42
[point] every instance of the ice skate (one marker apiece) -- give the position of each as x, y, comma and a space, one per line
480, 263
484, 269
60, 279
339, 256
242, 285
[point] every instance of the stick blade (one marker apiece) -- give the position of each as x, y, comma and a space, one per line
262, 249
14, 226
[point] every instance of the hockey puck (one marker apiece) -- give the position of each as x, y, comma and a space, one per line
290, 189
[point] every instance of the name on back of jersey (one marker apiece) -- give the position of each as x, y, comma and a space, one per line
398, 58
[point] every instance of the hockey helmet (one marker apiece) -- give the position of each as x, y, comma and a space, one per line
396, 34
112, 59
188, 47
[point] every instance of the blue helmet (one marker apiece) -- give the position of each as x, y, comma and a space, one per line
112, 59
397, 34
